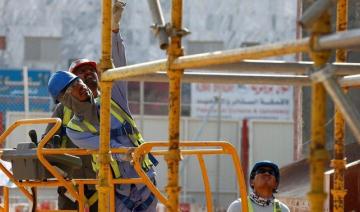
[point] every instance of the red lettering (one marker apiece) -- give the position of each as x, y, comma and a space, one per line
203, 87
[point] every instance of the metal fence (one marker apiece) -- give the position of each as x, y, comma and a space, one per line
23, 90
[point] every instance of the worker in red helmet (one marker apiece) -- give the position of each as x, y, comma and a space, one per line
264, 181
86, 70
83, 128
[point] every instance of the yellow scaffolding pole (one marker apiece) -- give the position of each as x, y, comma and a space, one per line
173, 158
318, 153
104, 187
339, 161
319, 48
56, 126
223, 148
326, 42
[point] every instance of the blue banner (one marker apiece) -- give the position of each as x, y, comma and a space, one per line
12, 90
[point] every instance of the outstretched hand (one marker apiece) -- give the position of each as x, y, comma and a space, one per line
117, 10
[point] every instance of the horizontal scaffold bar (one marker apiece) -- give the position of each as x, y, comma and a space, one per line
224, 78
345, 39
281, 67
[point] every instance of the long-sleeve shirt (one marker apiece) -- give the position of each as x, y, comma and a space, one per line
89, 140
236, 207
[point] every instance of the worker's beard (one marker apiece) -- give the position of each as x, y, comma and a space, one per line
83, 110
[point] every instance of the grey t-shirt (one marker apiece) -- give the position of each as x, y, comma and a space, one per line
236, 207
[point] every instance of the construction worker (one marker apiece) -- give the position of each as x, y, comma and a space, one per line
87, 71
264, 181
83, 130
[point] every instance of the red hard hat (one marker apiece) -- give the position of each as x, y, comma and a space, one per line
80, 62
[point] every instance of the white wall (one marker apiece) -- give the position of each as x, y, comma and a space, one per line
264, 135
20, 134
156, 129
78, 25
271, 140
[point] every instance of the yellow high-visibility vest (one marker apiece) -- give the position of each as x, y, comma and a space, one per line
67, 115
135, 136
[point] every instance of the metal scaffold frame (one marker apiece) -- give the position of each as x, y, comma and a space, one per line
207, 148
229, 66
339, 161
318, 45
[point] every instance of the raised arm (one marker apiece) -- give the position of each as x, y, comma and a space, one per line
119, 89
118, 50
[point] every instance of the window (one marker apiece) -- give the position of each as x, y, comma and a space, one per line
2, 42
156, 94
134, 97
156, 97
42, 49
249, 44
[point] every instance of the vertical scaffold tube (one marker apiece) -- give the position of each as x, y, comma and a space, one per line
318, 153
106, 36
6, 198
338, 163
104, 188
173, 157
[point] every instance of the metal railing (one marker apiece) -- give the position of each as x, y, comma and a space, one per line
70, 184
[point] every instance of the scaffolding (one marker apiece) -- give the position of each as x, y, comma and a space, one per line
230, 66
322, 79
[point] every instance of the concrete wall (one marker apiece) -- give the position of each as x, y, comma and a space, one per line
77, 24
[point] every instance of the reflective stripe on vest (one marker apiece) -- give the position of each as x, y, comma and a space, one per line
276, 207
136, 138
67, 114
122, 117
85, 126
91, 200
